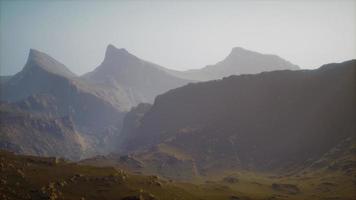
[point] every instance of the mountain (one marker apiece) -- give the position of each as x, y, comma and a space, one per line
39, 69
3, 79
26, 133
139, 80
239, 61
46, 87
271, 121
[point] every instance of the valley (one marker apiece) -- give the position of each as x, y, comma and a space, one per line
131, 129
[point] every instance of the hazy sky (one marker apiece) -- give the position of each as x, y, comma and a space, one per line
174, 34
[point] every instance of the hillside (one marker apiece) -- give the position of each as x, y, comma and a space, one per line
271, 121
60, 179
19, 179
25, 133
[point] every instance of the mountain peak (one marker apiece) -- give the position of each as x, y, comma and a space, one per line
34, 53
112, 51
38, 59
241, 51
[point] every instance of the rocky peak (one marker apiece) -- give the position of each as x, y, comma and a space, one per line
39, 60
241, 52
115, 55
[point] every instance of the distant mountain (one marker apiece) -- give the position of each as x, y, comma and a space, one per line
46, 87
239, 61
268, 121
39, 69
96, 103
141, 81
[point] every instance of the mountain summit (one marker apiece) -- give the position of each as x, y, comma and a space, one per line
113, 55
137, 79
243, 61
40, 60
239, 61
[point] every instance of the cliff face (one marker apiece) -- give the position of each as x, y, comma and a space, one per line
25, 133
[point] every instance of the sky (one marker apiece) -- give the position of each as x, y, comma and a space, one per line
176, 34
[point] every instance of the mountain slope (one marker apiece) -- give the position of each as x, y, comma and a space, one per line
140, 80
239, 61
25, 133
269, 121
46, 87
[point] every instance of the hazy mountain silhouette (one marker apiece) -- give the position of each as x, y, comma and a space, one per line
268, 121
239, 61
140, 80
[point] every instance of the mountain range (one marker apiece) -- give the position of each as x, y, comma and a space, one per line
95, 102
139, 80
252, 126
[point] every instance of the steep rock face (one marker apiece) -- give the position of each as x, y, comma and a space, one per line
266, 121
25, 133
239, 61
131, 122
138, 80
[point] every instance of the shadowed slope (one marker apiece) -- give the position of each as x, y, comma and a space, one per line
266, 121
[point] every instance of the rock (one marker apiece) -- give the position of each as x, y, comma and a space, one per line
21, 173
234, 198
3, 182
230, 179
133, 198
288, 188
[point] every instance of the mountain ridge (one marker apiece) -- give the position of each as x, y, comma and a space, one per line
246, 115
140, 80
239, 61
44, 61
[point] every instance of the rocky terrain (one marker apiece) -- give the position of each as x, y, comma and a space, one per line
286, 134
25, 133
29, 177
273, 121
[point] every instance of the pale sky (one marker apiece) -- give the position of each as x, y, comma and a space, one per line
176, 34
